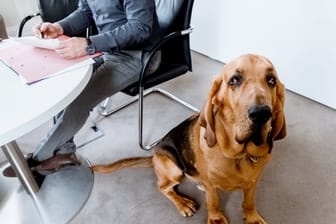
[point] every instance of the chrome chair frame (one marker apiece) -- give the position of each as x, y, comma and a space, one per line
106, 111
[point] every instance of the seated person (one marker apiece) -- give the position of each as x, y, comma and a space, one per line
123, 28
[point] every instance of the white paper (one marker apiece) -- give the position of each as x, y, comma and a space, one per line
38, 42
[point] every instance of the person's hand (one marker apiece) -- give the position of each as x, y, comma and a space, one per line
72, 48
47, 30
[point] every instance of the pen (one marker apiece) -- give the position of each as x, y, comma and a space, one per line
42, 35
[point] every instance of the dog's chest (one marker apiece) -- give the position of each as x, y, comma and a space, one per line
230, 174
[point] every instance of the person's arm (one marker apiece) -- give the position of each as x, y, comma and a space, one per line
137, 29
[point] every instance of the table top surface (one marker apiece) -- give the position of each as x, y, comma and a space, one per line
26, 107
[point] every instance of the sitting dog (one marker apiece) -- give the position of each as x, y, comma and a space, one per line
227, 145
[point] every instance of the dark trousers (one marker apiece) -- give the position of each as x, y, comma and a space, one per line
111, 74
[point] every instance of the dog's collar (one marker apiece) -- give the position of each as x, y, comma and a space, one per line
253, 159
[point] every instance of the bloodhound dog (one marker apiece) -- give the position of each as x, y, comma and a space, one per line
227, 145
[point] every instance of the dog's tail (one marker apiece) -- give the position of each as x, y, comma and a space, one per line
130, 162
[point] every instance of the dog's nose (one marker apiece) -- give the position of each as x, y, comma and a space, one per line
259, 114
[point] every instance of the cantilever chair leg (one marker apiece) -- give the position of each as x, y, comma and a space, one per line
105, 110
105, 107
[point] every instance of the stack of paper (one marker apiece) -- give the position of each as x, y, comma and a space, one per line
34, 59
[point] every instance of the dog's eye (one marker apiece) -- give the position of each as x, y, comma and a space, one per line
271, 80
236, 80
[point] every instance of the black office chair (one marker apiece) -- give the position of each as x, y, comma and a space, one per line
52, 11
174, 17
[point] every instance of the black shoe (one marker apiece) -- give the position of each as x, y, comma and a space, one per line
55, 163
48, 166
9, 172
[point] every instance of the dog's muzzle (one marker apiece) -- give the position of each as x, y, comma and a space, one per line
259, 114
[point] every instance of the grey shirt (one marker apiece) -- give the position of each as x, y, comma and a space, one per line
121, 24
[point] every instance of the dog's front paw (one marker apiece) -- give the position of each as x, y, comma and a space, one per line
217, 219
186, 206
253, 218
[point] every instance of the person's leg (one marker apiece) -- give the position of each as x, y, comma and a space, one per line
116, 73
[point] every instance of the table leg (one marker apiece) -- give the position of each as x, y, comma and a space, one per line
20, 167
59, 199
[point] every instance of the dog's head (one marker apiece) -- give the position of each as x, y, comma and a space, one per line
247, 98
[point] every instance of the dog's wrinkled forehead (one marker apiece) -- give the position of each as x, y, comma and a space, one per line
249, 64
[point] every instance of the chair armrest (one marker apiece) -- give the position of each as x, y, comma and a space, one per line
157, 46
24, 21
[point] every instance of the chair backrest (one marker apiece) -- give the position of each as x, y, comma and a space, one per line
166, 11
175, 15
54, 10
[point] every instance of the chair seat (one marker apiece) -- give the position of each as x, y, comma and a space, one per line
165, 71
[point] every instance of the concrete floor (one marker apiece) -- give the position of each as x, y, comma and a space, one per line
296, 187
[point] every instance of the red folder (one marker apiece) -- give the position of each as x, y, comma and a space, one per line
33, 64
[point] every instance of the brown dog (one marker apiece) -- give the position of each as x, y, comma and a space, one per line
227, 145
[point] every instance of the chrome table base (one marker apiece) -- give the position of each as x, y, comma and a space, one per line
61, 196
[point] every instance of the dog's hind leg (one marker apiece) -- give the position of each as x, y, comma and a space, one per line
168, 176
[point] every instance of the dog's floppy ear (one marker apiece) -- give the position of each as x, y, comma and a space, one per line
207, 113
279, 122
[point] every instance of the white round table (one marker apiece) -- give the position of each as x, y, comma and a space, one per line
24, 108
